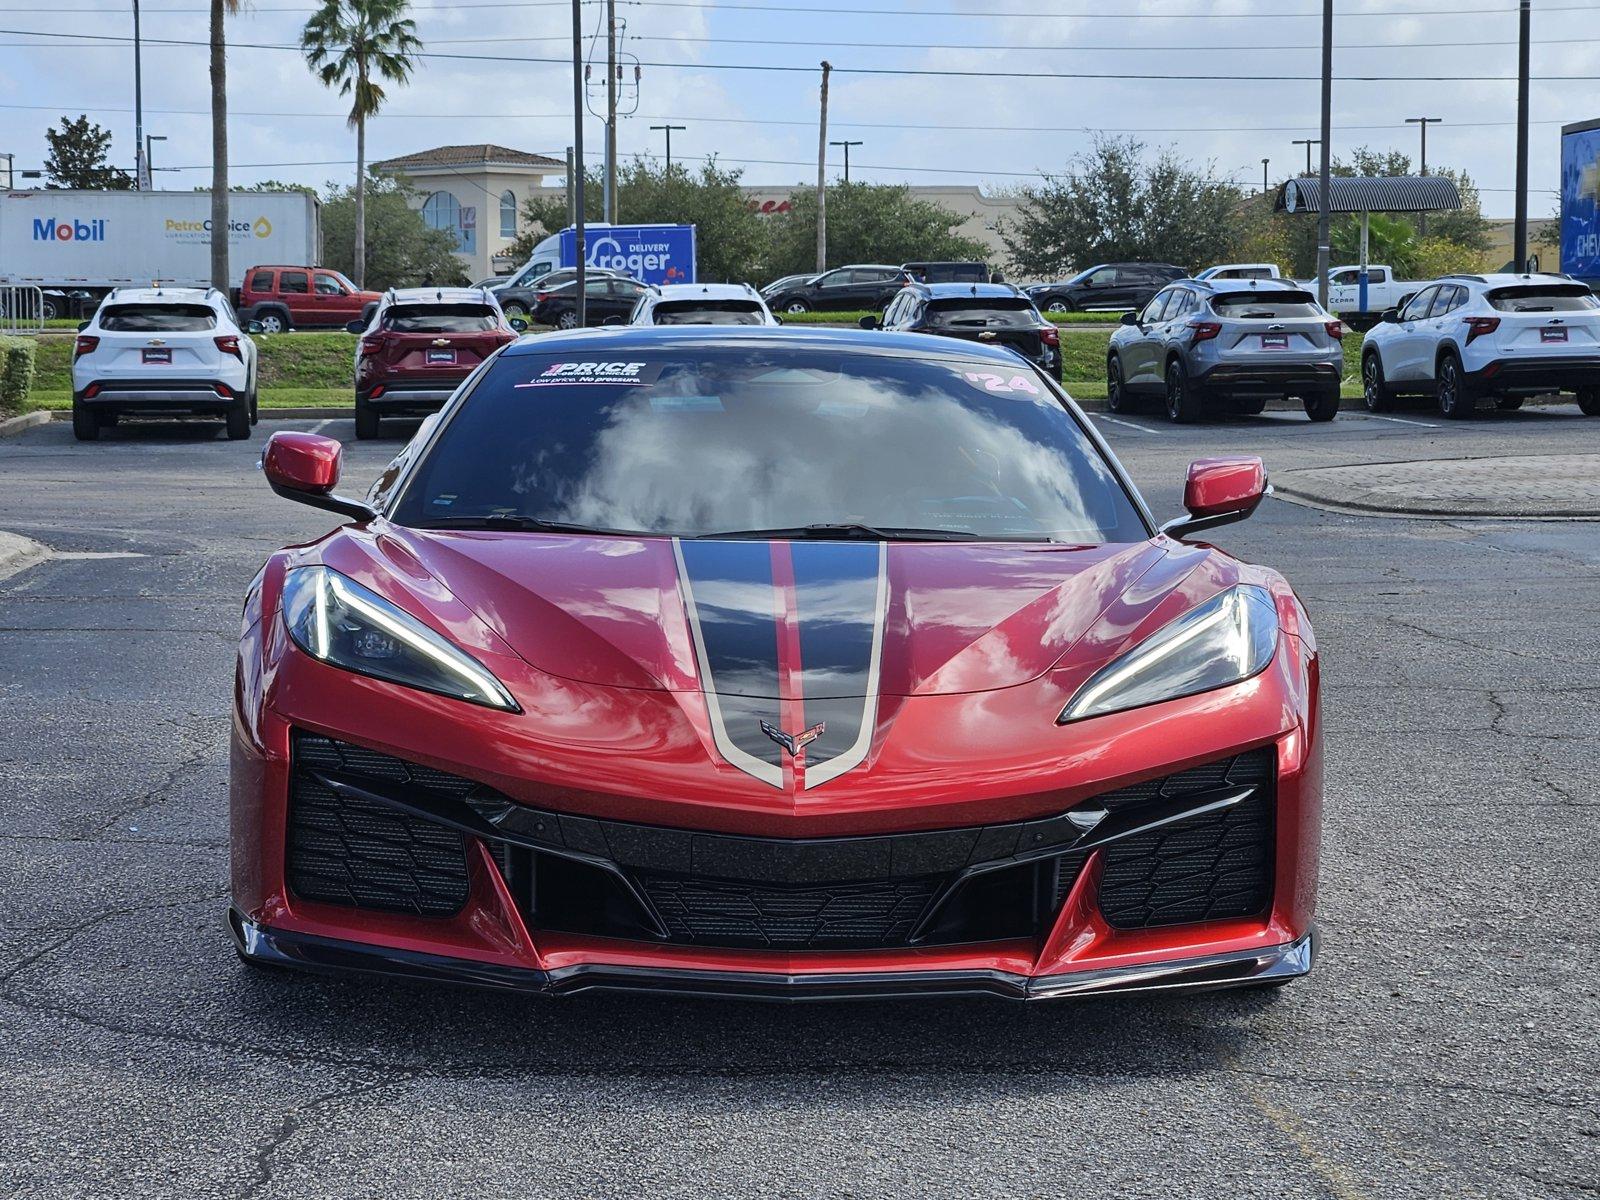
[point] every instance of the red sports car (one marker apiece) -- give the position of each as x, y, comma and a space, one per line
772, 663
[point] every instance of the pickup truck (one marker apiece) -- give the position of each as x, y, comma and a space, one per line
281, 298
1384, 291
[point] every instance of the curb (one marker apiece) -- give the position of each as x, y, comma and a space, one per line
18, 553
15, 425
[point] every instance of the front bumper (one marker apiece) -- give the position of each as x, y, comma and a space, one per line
1246, 968
1538, 376
1272, 378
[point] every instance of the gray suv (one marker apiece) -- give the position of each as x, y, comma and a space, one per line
1232, 341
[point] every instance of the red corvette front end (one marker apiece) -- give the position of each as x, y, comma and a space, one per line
785, 766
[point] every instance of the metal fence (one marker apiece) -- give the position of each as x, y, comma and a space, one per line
22, 309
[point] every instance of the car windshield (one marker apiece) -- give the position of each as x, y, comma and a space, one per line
157, 318
1544, 298
441, 318
709, 312
694, 440
1266, 306
981, 314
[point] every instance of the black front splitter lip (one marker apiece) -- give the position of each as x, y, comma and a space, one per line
281, 948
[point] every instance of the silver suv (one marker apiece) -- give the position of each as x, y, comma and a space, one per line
1238, 342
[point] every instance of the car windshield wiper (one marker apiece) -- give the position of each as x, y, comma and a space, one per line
534, 524
844, 530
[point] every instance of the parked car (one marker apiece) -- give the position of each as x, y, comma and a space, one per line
1473, 338
519, 296
163, 352
605, 296
863, 286
1110, 286
419, 346
772, 663
284, 298
1384, 291
701, 304
1239, 342
1242, 271
947, 272
788, 281
994, 314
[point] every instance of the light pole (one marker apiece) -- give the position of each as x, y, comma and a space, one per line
141, 175
1422, 123
1307, 143
149, 156
667, 129
847, 146
1524, 18
1264, 185
1323, 219
581, 250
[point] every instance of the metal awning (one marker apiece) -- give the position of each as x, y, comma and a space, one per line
1379, 193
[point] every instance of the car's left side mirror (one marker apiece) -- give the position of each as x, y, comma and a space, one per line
1130, 318
518, 324
355, 326
777, 318
613, 319
868, 322
1219, 491
305, 467
82, 325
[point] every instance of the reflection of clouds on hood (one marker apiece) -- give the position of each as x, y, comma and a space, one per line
882, 451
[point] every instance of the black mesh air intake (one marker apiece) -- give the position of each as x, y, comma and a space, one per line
348, 851
838, 916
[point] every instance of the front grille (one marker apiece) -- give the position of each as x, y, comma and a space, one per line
355, 838
346, 850
1206, 868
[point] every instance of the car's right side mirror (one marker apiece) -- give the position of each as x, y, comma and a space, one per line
1219, 491
1391, 316
355, 326
1130, 318
305, 467
868, 322
613, 319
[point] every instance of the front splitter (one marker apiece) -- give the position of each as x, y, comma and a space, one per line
1240, 968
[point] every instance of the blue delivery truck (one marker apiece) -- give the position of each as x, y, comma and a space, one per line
1580, 202
649, 253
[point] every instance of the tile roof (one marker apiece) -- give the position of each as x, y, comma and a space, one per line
481, 154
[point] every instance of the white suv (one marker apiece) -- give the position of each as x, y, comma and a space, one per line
1466, 338
163, 351
702, 304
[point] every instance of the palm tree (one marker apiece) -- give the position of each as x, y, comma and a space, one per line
219, 142
355, 44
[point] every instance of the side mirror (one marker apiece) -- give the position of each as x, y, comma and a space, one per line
777, 318
305, 467
1219, 491
868, 322
254, 327
82, 325
1130, 318
518, 324
1404, 300
613, 319
1391, 316
355, 326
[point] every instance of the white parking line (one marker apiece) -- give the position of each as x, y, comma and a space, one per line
321, 425
1401, 421
1127, 424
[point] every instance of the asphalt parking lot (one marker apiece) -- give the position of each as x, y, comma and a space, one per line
1445, 1045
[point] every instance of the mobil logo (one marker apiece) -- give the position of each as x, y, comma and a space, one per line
48, 229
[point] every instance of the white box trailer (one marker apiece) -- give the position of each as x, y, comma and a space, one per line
78, 245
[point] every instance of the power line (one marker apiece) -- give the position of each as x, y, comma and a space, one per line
788, 9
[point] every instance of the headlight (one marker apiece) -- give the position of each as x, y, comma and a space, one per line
333, 618
1228, 638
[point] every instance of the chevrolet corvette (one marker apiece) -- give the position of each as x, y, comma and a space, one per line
772, 663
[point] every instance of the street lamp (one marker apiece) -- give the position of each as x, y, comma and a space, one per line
847, 146
1423, 123
667, 129
1264, 185
141, 174
1307, 143
149, 157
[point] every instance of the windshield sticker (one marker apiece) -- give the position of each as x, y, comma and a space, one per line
686, 403
615, 372
1003, 384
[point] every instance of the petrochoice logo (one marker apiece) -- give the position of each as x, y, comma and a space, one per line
261, 227
48, 229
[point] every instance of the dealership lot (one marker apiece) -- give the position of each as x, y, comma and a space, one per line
1442, 1047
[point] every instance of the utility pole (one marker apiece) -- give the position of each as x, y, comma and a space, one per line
1323, 223
611, 111
572, 196
575, 192
822, 177
1307, 143
1264, 184
141, 176
847, 146
1525, 19
1423, 123
667, 129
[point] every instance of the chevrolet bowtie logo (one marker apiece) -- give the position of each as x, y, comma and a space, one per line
441, 341
794, 742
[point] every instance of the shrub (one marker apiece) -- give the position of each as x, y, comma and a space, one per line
16, 371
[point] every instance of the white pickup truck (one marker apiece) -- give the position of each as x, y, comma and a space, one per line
1384, 291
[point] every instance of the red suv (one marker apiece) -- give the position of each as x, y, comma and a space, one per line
419, 345
283, 297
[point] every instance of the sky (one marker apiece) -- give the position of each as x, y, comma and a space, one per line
1010, 116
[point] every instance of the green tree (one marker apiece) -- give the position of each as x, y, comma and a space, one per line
867, 222
356, 45
77, 158
401, 251
220, 10
1111, 203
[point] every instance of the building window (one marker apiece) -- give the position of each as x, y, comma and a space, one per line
508, 214
443, 211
